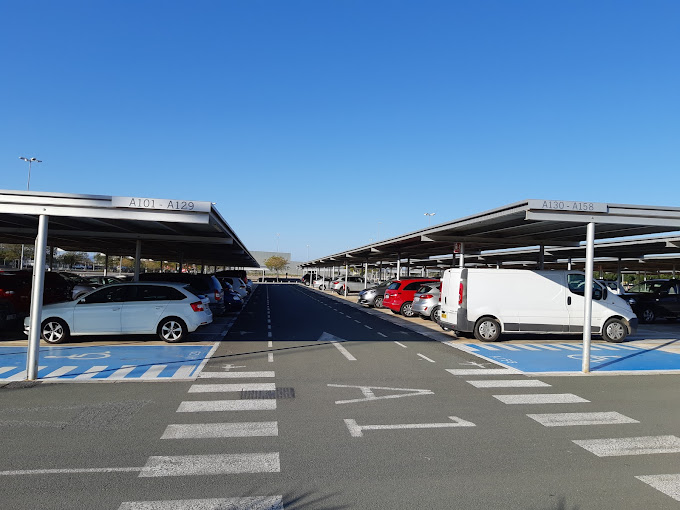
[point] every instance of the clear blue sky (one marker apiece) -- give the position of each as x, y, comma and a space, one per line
325, 120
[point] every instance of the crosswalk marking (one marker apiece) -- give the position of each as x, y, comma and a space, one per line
213, 430
221, 464
219, 388
200, 406
122, 372
234, 375
607, 347
153, 372
508, 347
7, 369
576, 419
246, 503
509, 383
569, 347
644, 445
527, 347
183, 372
91, 372
482, 371
59, 371
20, 376
546, 347
541, 398
668, 484
487, 347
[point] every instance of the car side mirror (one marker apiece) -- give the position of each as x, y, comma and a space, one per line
604, 293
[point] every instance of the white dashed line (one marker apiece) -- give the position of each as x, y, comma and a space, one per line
645, 445
575, 419
425, 357
401, 345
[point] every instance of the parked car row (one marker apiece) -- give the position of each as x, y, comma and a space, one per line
170, 305
487, 302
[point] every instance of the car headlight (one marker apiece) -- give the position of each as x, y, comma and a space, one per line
632, 302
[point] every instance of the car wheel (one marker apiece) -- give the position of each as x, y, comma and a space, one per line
407, 309
487, 329
614, 330
339, 291
435, 314
648, 315
54, 331
172, 329
378, 302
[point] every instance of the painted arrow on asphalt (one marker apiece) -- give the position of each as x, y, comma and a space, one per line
335, 340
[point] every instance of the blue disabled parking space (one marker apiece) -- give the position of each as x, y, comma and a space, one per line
111, 362
568, 357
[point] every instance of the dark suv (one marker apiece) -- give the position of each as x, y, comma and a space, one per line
652, 299
15, 289
206, 284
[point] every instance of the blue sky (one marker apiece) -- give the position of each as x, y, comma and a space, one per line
330, 122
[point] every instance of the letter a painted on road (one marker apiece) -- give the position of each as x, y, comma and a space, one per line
369, 395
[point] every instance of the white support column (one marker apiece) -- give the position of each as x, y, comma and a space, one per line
541, 257
618, 273
138, 255
569, 264
408, 267
462, 255
346, 271
51, 258
365, 274
181, 261
588, 296
398, 266
33, 354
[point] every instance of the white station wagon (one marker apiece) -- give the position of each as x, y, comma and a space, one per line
170, 310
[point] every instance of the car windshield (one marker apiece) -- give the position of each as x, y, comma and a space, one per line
647, 287
394, 285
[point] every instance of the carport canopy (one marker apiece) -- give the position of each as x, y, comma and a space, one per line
165, 229
529, 223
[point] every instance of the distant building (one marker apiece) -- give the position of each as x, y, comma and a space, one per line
293, 265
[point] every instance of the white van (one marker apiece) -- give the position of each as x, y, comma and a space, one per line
488, 302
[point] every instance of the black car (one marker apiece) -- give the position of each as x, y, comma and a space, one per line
653, 299
232, 299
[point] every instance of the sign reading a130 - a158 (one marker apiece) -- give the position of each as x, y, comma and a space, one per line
161, 203
565, 205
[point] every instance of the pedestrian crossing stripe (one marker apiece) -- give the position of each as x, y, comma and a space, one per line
101, 372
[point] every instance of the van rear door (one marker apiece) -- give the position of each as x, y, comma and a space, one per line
449, 299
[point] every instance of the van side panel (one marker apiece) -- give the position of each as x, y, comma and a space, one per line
543, 302
493, 292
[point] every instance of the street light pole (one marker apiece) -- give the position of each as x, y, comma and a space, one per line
28, 187
429, 217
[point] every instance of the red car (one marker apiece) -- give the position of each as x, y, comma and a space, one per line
399, 295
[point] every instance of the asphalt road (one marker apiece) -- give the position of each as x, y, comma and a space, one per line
311, 403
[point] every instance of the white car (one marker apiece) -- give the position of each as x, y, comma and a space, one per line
323, 283
169, 310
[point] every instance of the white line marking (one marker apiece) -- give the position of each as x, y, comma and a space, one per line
568, 347
247, 503
59, 371
425, 357
548, 347
7, 369
644, 445
367, 326
627, 347
401, 345
20, 376
508, 347
541, 398
69, 471
509, 383
202, 364
482, 371
200, 406
270, 344
184, 371
607, 347
370, 395
381, 334
153, 372
214, 430
269, 335
234, 375
270, 357
122, 372
221, 388
487, 347
344, 351
668, 484
356, 430
527, 347
91, 372
269, 327
212, 464
574, 419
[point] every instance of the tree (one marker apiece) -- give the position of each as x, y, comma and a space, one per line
276, 263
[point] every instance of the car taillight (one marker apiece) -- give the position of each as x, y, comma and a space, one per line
197, 306
6, 293
460, 294
217, 296
426, 296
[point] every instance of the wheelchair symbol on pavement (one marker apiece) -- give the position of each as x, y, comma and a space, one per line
594, 359
85, 355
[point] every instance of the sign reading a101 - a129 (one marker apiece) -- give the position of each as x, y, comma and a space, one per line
160, 203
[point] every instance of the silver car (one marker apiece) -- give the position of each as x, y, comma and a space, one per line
426, 301
323, 283
354, 284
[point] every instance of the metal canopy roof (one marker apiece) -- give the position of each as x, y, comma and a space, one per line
168, 229
522, 224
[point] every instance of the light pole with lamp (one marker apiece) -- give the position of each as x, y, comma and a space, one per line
30, 161
429, 217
